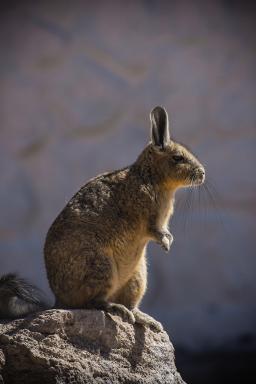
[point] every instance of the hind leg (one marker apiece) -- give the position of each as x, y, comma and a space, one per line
131, 294
83, 278
90, 286
133, 291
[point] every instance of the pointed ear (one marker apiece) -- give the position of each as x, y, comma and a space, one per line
159, 127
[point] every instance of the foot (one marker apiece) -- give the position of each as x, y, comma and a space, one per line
143, 319
122, 311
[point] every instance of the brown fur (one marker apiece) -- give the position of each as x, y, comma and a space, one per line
95, 249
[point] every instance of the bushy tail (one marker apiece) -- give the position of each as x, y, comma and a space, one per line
18, 298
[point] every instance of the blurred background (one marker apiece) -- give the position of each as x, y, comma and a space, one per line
77, 82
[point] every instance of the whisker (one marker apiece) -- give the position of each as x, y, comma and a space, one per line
214, 202
188, 204
199, 196
182, 209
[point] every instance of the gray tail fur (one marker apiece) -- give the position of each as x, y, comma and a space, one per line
18, 298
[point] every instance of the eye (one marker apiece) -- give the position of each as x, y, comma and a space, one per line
178, 158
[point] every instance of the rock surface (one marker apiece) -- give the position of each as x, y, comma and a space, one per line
84, 346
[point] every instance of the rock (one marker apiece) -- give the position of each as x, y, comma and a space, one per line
84, 346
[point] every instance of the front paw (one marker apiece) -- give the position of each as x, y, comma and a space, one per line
166, 241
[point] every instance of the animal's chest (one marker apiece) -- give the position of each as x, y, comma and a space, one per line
165, 210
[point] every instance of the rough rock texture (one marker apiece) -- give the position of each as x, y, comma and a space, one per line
84, 346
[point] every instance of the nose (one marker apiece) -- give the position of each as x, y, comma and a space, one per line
201, 173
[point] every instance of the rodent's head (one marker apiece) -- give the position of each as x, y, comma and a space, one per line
177, 165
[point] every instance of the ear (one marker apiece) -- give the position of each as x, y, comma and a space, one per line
159, 127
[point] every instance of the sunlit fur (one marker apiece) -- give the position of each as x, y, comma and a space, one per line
167, 172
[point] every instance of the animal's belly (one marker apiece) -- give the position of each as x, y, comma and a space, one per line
127, 261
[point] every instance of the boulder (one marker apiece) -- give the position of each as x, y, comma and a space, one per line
84, 346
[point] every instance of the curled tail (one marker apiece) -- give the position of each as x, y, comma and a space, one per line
18, 298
